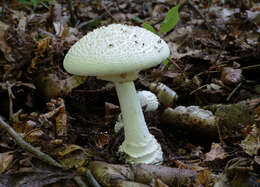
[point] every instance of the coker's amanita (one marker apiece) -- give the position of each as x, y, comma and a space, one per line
117, 53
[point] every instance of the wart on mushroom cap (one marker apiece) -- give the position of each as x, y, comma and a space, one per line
117, 53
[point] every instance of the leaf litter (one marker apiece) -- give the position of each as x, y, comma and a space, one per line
214, 65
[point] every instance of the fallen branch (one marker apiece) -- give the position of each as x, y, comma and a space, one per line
193, 119
28, 147
140, 174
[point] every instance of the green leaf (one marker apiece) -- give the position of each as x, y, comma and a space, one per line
170, 20
166, 61
35, 3
148, 27
24, 2
137, 20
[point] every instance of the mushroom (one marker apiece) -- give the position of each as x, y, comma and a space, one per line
117, 53
148, 101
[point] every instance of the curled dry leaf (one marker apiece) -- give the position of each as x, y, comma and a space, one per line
67, 149
57, 110
5, 160
203, 178
101, 139
42, 47
28, 131
70, 34
24, 126
33, 136
61, 122
231, 76
251, 144
111, 110
216, 152
56, 104
71, 156
58, 20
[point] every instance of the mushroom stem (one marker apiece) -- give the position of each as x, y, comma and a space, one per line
139, 144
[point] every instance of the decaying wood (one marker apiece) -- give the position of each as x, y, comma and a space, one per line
166, 95
233, 117
140, 174
191, 119
228, 118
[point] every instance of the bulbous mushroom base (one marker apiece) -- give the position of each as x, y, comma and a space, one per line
147, 153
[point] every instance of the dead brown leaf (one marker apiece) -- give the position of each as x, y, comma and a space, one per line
251, 144
231, 76
3, 44
33, 136
5, 161
42, 46
216, 152
61, 122
101, 139
71, 156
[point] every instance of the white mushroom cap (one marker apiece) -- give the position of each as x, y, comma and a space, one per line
115, 49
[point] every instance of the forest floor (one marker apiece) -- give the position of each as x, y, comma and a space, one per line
214, 65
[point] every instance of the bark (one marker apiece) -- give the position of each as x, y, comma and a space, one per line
140, 174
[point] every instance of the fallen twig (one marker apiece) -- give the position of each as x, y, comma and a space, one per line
109, 13
91, 179
80, 182
95, 19
11, 97
28, 147
233, 91
72, 15
90, 22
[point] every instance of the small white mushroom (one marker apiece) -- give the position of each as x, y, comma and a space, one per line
148, 100
117, 53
